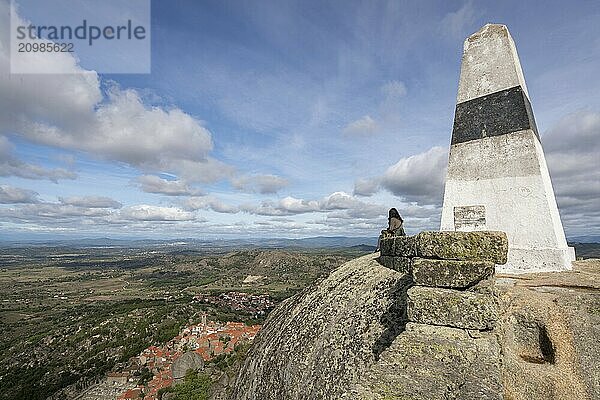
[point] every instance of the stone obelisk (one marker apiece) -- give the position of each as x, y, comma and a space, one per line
497, 174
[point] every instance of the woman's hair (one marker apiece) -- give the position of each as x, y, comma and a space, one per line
394, 214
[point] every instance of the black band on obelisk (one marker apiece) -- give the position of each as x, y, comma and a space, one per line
494, 114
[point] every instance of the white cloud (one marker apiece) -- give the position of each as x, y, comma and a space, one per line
144, 212
344, 204
365, 126
576, 133
124, 129
155, 184
366, 187
69, 111
263, 184
77, 213
68, 96
340, 201
209, 203
52, 212
206, 171
90, 202
11, 166
456, 24
286, 206
14, 195
297, 206
371, 218
572, 147
418, 178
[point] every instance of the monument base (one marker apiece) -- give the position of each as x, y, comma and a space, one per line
521, 261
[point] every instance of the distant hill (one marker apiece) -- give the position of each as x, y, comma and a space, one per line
193, 244
586, 247
586, 250
585, 239
363, 247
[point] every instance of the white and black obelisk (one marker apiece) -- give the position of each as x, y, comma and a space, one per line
497, 174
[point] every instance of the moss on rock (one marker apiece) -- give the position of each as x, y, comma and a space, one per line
450, 274
475, 246
447, 307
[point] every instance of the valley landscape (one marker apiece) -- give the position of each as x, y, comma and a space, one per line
72, 313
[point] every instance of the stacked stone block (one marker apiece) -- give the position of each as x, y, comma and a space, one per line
452, 274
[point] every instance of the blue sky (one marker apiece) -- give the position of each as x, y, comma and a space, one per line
279, 118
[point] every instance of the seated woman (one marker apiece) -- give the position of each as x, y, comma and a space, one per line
395, 227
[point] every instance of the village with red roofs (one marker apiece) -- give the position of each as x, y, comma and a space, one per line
207, 339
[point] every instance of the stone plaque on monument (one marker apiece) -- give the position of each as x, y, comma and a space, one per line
469, 218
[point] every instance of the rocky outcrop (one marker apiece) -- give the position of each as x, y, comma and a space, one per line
349, 335
434, 362
188, 361
320, 341
446, 307
450, 274
549, 333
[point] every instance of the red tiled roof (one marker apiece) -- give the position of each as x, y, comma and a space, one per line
130, 394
